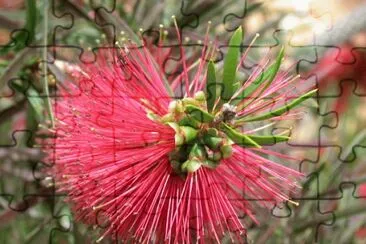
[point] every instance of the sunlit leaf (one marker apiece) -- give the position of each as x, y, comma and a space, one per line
268, 140
198, 114
266, 76
281, 110
239, 138
211, 86
230, 64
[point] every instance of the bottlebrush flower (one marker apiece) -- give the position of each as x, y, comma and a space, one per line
345, 64
161, 165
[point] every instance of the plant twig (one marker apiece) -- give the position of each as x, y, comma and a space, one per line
44, 66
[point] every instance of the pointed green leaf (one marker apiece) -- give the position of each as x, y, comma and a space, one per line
230, 65
31, 18
267, 75
36, 102
239, 138
268, 140
276, 66
34, 99
198, 114
281, 110
189, 122
211, 86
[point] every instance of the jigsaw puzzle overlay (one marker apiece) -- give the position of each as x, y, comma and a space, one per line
45, 45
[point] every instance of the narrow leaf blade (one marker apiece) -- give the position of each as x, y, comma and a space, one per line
36, 102
239, 138
230, 65
268, 140
198, 114
267, 76
211, 86
281, 110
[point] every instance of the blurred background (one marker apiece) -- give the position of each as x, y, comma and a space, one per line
325, 44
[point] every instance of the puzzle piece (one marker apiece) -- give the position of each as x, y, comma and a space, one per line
329, 139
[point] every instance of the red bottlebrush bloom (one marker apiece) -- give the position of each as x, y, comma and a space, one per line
344, 64
159, 159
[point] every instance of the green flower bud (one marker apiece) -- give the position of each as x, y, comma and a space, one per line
191, 166
172, 106
212, 132
176, 106
200, 96
183, 134
213, 155
189, 122
167, 118
190, 101
178, 139
197, 152
212, 142
210, 164
189, 133
226, 150
216, 156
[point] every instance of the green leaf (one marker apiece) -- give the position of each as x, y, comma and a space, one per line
36, 102
268, 140
34, 98
189, 122
267, 75
281, 110
239, 138
275, 67
198, 114
31, 18
230, 65
211, 86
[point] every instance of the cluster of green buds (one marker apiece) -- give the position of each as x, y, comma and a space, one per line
198, 138
203, 138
